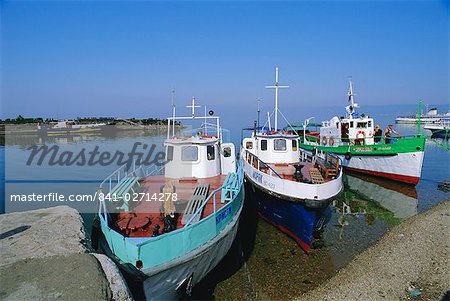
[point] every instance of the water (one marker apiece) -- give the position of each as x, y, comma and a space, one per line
263, 262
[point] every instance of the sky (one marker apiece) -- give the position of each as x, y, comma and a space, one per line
68, 59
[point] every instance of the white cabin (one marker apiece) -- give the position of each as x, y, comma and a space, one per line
199, 155
360, 131
274, 148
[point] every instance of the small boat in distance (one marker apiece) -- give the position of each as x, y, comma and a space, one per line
440, 129
67, 127
352, 138
290, 188
170, 226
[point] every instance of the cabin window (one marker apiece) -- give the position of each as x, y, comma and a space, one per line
370, 124
189, 153
294, 145
351, 124
227, 152
263, 144
279, 144
169, 153
210, 153
361, 125
249, 145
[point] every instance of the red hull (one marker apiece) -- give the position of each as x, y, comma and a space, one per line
395, 177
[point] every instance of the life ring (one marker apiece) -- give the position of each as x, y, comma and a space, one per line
331, 141
360, 133
324, 140
348, 156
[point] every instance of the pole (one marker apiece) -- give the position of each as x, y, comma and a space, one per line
419, 117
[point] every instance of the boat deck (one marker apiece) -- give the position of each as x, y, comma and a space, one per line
287, 170
148, 211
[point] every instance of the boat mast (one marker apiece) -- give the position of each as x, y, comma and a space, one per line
193, 106
276, 87
419, 116
173, 112
351, 99
259, 110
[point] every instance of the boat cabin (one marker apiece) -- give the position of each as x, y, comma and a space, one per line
273, 148
198, 157
355, 131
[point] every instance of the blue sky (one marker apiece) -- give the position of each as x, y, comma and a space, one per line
98, 58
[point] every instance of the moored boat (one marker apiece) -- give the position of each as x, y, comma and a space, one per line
440, 129
352, 138
186, 215
290, 189
66, 127
431, 117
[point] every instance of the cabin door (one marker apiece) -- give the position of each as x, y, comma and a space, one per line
227, 158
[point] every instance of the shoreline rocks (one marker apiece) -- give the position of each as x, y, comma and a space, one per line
44, 258
415, 252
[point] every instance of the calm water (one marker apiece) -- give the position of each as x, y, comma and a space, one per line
369, 208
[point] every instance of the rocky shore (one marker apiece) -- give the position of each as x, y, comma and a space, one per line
417, 253
43, 257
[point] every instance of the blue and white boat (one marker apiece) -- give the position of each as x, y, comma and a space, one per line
291, 188
188, 216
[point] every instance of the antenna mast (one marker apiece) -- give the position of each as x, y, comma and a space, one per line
173, 112
276, 87
259, 109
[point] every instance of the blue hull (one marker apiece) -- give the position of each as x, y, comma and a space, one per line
294, 219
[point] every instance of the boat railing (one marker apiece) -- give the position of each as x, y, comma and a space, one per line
336, 141
120, 174
129, 170
256, 162
230, 188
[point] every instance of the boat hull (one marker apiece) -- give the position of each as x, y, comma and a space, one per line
404, 167
401, 161
173, 280
292, 218
444, 133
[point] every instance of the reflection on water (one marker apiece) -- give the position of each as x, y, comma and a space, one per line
263, 262
278, 269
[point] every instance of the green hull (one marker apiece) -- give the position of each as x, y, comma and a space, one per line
404, 145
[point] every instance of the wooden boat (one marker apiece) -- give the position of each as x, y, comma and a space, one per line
187, 214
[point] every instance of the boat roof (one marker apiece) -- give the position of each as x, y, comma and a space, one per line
276, 135
192, 140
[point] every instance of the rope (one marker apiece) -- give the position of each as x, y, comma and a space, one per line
287, 122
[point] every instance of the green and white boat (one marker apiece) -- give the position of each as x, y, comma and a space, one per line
171, 225
352, 139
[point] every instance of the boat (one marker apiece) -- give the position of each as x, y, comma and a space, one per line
352, 139
67, 127
440, 129
290, 189
187, 216
431, 117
